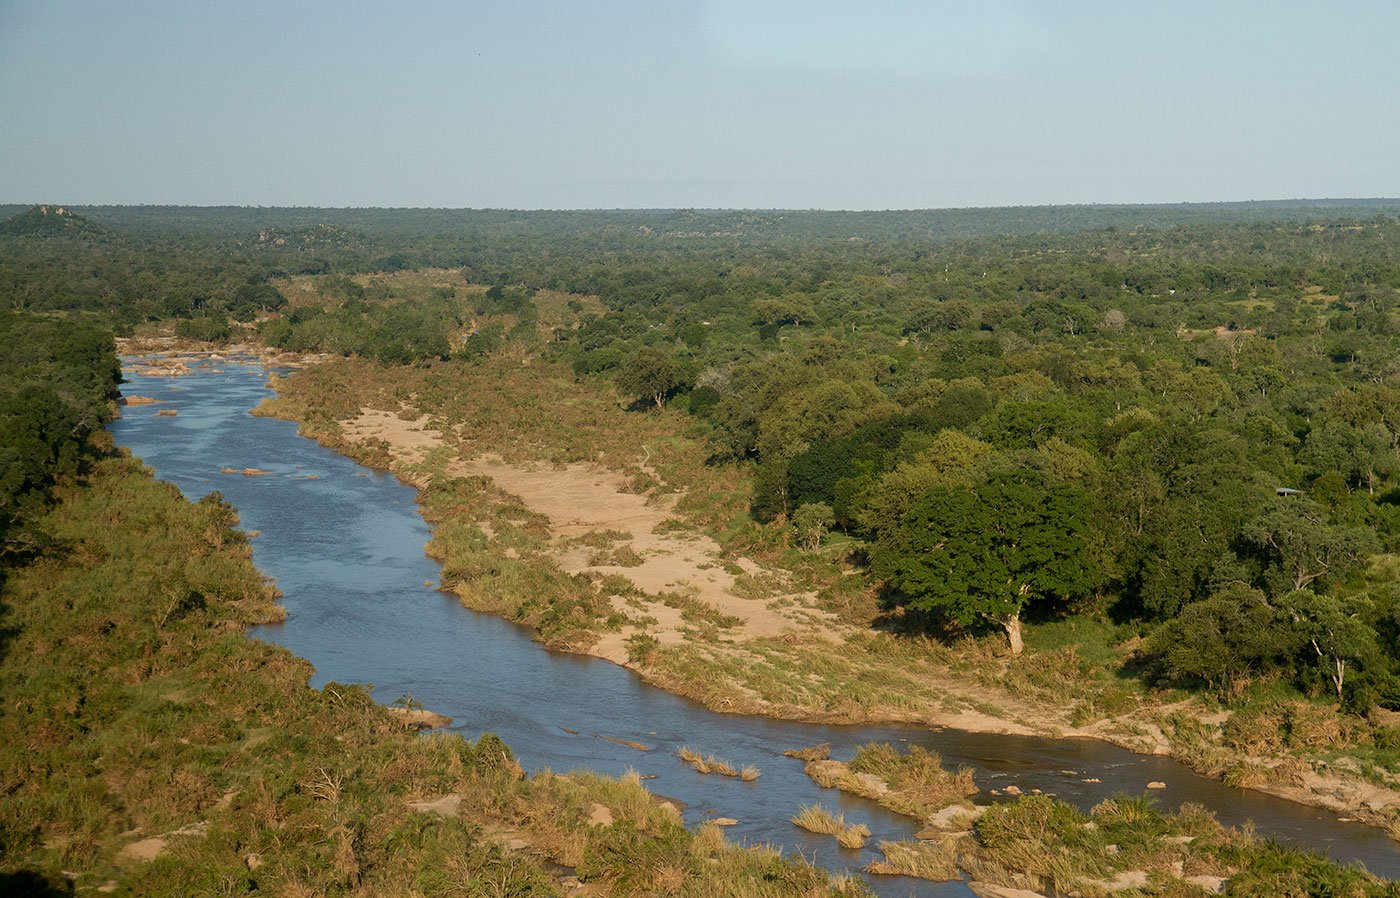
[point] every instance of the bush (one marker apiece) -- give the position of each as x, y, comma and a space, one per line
208, 329
811, 522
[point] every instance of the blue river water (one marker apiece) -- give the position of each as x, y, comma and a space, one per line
345, 545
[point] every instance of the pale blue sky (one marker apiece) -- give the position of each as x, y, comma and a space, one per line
736, 103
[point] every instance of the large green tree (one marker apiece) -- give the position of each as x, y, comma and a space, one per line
1301, 548
1335, 628
651, 374
987, 551
1222, 641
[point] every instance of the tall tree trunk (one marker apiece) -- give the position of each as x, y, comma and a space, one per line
1012, 623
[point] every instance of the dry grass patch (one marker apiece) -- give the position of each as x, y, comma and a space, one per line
937, 861
817, 819
912, 783
812, 753
711, 764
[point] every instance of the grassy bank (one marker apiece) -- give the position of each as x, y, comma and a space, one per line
148, 747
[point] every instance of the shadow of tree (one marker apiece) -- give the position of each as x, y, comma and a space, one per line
34, 884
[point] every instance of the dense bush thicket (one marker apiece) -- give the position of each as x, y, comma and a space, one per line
60, 377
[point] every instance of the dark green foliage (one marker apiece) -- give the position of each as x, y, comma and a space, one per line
989, 550
650, 374
1297, 546
59, 377
1220, 641
205, 328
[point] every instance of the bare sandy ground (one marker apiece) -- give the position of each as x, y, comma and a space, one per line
583, 499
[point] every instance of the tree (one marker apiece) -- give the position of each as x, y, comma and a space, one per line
1334, 627
951, 458
811, 522
651, 373
1220, 641
1299, 546
988, 550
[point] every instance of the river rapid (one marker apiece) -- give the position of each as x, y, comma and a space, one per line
345, 545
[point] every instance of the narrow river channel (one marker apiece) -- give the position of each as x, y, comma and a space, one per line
345, 545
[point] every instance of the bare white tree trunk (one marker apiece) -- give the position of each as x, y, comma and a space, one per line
1012, 623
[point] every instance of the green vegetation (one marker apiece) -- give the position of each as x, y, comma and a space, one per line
150, 748
59, 379
989, 549
1161, 444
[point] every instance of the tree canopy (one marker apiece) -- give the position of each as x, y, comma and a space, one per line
989, 550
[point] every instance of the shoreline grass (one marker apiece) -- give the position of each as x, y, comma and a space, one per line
817, 819
711, 764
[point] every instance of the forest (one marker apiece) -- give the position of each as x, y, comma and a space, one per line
1181, 419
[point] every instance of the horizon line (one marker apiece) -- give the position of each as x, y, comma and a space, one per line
692, 208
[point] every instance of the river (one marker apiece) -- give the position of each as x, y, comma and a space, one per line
345, 545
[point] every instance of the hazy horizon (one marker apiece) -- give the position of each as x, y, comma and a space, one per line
720, 104
1331, 200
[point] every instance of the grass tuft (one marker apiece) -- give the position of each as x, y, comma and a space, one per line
937, 861
711, 764
817, 819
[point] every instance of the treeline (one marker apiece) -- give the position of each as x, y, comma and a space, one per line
151, 263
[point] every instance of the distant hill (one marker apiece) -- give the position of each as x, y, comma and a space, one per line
50, 221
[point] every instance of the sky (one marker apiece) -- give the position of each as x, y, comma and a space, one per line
869, 104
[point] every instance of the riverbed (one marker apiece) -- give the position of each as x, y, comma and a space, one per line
344, 543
